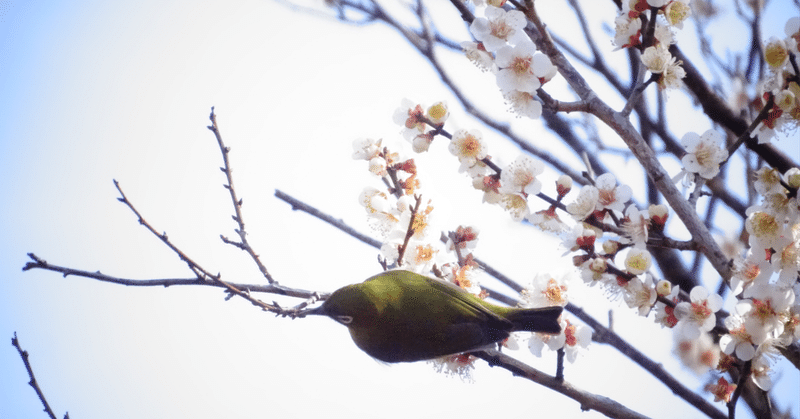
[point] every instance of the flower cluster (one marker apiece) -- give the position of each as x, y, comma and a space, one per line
419, 125
395, 211
546, 291
767, 314
407, 224
655, 53
504, 49
599, 258
783, 85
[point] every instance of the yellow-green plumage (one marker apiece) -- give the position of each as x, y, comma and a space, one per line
401, 316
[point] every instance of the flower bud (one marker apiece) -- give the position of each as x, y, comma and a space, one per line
658, 216
663, 288
611, 247
563, 185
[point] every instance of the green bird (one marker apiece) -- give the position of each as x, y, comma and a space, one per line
402, 316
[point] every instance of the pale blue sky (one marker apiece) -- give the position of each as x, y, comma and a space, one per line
96, 90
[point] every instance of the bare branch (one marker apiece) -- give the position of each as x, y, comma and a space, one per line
33, 383
587, 400
237, 202
39, 263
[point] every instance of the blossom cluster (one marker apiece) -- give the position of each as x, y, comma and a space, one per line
783, 84
606, 234
395, 211
546, 290
655, 56
504, 49
767, 314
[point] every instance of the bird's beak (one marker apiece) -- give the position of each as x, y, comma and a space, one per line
316, 311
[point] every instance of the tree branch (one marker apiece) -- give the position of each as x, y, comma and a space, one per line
33, 383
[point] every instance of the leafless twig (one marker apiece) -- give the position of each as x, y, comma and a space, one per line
33, 383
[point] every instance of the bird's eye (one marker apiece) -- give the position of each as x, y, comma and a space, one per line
344, 319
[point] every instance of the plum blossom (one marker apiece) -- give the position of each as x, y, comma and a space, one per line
676, 12
700, 354
478, 55
665, 314
765, 308
523, 104
638, 261
499, 28
366, 148
628, 30
748, 272
722, 391
640, 295
411, 117
698, 315
656, 58
672, 76
545, 290
585, 203
469, 147
759, 372
636, 226
438, 112
517, 68
775, 53
520, 176
610, 196
703, 153
739, 341
765, 231
573, 338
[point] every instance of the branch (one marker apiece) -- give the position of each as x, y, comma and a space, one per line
39, 263
719, 112
633, 139
605, 335
237, 202
298, 205
588, 401
203, 277
33, 383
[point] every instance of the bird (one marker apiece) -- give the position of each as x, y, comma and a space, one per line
403, 316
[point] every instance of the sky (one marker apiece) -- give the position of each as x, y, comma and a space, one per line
94, 91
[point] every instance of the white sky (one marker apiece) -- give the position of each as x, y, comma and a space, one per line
96, 90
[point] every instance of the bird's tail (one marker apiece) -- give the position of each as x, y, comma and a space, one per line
542, 320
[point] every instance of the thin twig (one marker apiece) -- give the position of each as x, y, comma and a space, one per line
33, 383
201, 273
410, 230
39, 263
237, 202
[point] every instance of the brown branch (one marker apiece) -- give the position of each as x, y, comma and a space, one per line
588, 401
401, 250
716, 109
202, 274
633, 139
237, 202
605, 335
39, 263
33, 383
